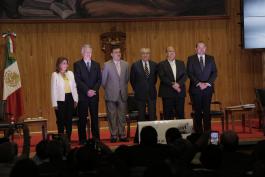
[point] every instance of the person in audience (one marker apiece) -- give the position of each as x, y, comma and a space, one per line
211, 160
183, 148
24, 167
148, 136
202, 72
41, 155
172, 74
172, 134
149, 151
64, 96
258, 153
258, 159
143, 77
115, 78
234, 163
8, 152
88, 80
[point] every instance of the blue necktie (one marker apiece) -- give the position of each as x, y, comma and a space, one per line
201, 63
88, 66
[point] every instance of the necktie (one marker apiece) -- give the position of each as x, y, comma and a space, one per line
201, 63
146, 70
88, 66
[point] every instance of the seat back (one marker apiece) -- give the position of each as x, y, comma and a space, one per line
132, 104
260, 96
2, 110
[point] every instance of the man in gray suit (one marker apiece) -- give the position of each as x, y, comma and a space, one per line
115, 78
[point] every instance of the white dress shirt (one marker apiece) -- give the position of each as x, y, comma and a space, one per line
57, 87
148, 66
173, 67
118, 66
203, 59
88, 63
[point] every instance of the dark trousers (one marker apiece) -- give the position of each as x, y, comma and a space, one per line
64, 115
201, 105
151, 109
173, 107
83, 107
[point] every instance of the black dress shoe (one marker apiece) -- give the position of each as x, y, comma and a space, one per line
124, 140
113, 140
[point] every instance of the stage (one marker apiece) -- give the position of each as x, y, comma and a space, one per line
246, 138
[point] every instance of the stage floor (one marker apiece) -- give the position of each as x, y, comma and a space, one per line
246, 138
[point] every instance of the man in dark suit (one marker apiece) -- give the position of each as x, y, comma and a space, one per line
88, 79
202, 73
172, 74
143, 79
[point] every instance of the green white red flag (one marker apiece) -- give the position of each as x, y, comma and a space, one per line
12, 80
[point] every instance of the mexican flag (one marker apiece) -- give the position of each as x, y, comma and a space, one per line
12, 81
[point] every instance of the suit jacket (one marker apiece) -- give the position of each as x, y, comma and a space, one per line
87, 80
166, 78
143, 87
114, 84
57, 87
196, 75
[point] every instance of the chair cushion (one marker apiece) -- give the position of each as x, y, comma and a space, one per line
216, 113
212, 113
133, 114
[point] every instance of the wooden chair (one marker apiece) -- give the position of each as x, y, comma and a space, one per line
75, 120
4, 123
260, 106
133, 113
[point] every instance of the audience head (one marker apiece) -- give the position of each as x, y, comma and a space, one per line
148, 136
55, 150
8, 152
86, 158
41, 150
24, 167
145, 54
62, 64
86, 52
211, 157
229, 140
172, 134
184, 149
194, 137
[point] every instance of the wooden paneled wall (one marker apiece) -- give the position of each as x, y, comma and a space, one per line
38, 46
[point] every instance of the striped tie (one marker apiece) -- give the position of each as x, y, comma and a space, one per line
146, 70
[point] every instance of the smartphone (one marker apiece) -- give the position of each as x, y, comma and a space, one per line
214, 138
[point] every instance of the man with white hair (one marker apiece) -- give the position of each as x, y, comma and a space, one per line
88, 79
143, 79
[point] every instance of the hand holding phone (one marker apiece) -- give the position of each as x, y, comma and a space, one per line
214, 138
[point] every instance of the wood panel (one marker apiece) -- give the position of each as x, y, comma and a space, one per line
38, 46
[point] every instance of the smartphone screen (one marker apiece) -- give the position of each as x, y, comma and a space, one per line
214, 138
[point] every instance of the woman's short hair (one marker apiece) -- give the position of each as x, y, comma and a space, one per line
59, 61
